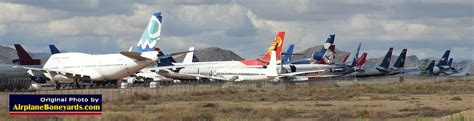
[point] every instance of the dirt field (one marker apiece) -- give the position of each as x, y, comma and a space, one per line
392, 101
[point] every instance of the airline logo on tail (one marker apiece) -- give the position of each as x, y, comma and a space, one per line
150, 35
277, 45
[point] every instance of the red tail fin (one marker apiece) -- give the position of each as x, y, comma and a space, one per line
361, 62
24, 57
276, 45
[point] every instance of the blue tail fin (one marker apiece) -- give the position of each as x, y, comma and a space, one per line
400, 63
150, 35
53, 49
430, 67
319, 55
444, 60
165, 61
450, 62
356, 56
386, 60
289, 54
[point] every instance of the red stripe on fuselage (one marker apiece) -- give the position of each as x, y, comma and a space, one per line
253, 62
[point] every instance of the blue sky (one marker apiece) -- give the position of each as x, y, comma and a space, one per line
425, 27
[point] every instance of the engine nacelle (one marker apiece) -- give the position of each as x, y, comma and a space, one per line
62, 79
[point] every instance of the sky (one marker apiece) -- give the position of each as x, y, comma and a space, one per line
425, 27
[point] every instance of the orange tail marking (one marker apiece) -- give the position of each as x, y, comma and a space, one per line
277, 45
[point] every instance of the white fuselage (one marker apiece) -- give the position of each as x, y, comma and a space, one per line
214, 64
231, 73
96, 67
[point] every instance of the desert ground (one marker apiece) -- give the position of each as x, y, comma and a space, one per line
451, 99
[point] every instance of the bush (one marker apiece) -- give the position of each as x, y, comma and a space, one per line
457, 98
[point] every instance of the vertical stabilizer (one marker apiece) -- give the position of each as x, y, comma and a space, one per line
450, 63
150, 36
400, 63
356, 56
444, 60
386, 60
24, 58
53, 49
166, 61
361, 62
189, 56
289, 54
277, 45
272, 66
318, 56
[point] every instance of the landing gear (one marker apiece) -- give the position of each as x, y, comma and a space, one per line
58, 86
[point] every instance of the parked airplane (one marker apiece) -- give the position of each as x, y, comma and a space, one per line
235, 74
75, 68
150, 74
425, 69
382, 69
175, 71
277, 45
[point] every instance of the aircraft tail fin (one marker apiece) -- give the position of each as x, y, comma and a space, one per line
386, 60
356, 56
444, 60
289, 54
328, 56
150, 35
277, 46
166, 61
450, 63
361, 62
431, 66
272, 65
318, 56
24, 58
189, 56
400, 63
53, 49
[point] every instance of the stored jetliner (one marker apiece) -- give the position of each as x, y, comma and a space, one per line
175, 69
74, 68
235, 74
382, 69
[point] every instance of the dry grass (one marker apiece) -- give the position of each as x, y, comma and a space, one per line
381, 101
